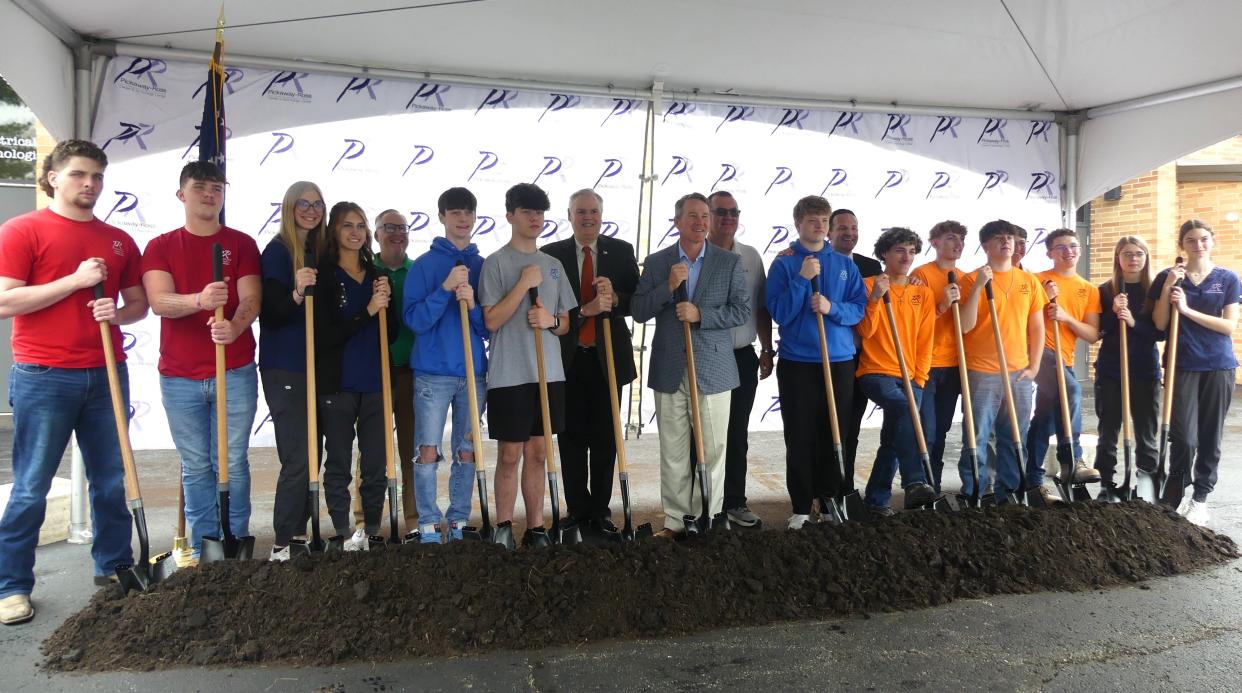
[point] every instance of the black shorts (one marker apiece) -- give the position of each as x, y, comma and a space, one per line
514, 414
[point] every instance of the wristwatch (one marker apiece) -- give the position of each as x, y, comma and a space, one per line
768, 352
556, 323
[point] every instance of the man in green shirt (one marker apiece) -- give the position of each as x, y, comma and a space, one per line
393, 235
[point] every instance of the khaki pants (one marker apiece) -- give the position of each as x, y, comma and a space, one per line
678, 489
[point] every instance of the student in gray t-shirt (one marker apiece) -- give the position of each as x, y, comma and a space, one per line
514, 415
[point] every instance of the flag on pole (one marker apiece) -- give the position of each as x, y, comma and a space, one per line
211, 133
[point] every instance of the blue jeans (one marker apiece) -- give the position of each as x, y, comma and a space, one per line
987, 400
48, 405
433, 394
898, 448
940, 394
1047, 419
191, 408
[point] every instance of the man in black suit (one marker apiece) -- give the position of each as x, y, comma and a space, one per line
603, 273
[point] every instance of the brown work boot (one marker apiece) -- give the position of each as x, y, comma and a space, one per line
666, 533
15, 609
1084, 474
1049, 497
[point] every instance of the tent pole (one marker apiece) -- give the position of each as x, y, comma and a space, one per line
1069, 201
82, 92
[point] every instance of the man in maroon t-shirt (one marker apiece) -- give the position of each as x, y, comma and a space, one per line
177, 269
50, 261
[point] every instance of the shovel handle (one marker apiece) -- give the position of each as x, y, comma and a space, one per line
682, 295
1007, 389
617, 434
312, 408
905, 377
1127, 431
222, 407
968, 416
119, 411
1066, 420
833, 424
544, 410
467, 347
390, 456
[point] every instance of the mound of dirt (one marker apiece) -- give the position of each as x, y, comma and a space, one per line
414, 601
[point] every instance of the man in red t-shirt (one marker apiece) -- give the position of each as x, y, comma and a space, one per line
50, 260
177, 269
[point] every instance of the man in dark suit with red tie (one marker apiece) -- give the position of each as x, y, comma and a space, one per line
603, 273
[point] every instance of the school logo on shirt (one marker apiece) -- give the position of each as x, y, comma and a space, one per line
1215, 288
1024, 289
228, 257
1082, 292
118, 248
844, 275
916, 300
556, 273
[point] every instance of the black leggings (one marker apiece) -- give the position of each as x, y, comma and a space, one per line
1200, 402
341, 415
1145, 413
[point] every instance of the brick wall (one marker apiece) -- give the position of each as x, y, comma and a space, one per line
1155, 204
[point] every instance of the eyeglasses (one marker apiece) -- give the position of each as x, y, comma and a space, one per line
1135, 255
304, 205
401, 229
1071, 248
727, 212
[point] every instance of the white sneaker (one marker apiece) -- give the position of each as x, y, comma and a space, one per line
358, 542
1184, 506
1197, 513
279, 556
796, 521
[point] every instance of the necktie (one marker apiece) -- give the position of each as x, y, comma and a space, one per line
586, 335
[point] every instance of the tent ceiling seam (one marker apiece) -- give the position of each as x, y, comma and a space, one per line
292, 20
1029, 47
45, 18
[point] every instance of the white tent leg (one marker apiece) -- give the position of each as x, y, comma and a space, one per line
82, 92
79, 512
1069, 199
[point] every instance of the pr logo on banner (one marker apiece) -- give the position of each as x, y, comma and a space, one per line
140, 77
287, 86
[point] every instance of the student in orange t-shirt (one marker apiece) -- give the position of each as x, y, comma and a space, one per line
879, 372
1077, 314
1020, 301
944, 384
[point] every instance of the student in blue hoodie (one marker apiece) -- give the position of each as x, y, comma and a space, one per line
842, 300
446, 274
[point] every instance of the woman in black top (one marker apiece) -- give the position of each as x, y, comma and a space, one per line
282, 355
1128, 287
1206, 297
350, 294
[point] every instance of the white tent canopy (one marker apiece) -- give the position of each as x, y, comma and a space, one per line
1147, 80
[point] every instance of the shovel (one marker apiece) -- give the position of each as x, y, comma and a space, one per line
704, 521
146, 571
390, 456
976, 499
940, 502
570, 534
483, 532
1021, 494
226, 545
1169, 495
316, 542
1069, 490
1127, 490
627, 533
845, 505
181, 546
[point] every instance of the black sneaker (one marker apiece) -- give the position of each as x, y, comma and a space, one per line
919, 495
536, 537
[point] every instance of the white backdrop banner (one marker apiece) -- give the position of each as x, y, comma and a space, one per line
890, 169
379, 142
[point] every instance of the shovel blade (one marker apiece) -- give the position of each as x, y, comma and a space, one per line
854, 507
644, 531
1079, 493
569, 534
691, 524
162, 566
416, 537
503, 535
336, 543
721, 522
946, 504
376, 542
134, 578
1034, 499
1147, 487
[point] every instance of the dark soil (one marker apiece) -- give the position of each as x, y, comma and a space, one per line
417, 601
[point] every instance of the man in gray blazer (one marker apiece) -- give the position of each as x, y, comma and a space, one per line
714, 302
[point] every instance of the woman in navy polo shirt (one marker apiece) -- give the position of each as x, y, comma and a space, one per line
349, 296
1207, 299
